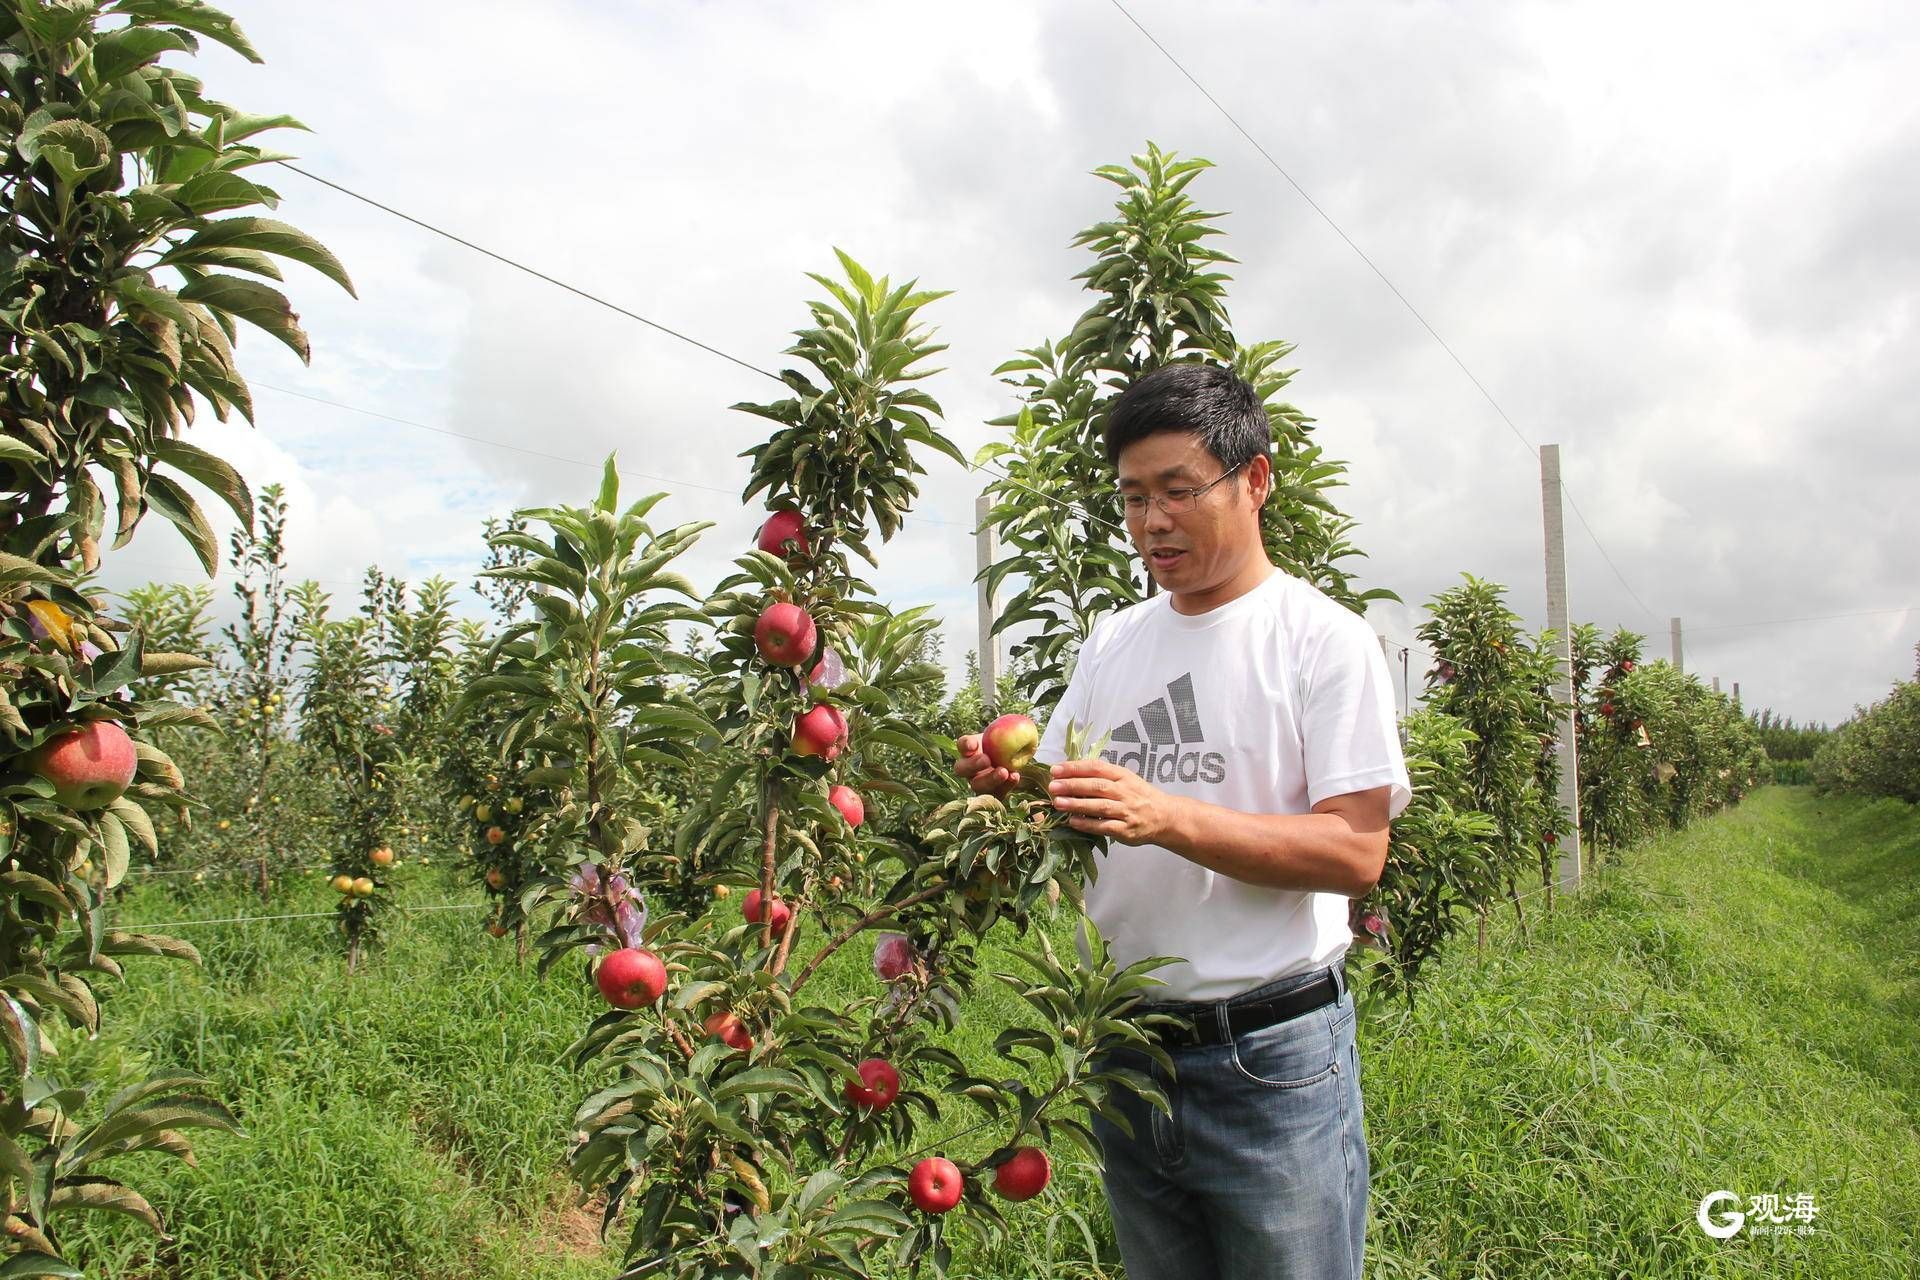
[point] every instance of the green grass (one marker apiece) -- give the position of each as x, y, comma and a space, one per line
1734, 1007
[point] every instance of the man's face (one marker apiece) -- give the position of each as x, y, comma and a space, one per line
1194, 552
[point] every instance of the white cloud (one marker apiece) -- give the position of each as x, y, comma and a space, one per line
1685, 249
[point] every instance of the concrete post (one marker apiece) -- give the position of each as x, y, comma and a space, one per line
989, 643
1716, 684
1567, 873
1736, 695
1678, 665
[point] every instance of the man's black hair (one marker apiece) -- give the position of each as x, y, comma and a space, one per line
1212, 402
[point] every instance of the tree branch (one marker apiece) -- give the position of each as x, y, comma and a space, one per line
865, 922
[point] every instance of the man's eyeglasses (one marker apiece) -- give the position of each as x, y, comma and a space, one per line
1174, 501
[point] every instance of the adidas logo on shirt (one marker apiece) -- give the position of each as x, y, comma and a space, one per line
1172, 724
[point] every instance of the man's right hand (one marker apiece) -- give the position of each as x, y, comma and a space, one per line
981, 773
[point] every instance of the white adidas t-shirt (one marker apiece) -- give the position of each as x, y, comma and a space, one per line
1269, 703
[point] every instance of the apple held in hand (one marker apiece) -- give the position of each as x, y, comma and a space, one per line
849, 803
1023, 1175
1011, 741
784, 634
892, 957
754, 909
631, 978
935, 1184
89, 766
783, 526
820, 731
879, 1085
726, 1026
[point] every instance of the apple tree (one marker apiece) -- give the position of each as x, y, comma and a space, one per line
744, 1123
491, 788
347, 716
1487, 674
123, 186
1160, 297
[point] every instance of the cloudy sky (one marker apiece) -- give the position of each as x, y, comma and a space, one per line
1682, 243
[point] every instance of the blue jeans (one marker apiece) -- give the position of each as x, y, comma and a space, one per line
1261, 1170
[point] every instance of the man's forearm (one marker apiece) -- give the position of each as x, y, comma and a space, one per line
1317, 852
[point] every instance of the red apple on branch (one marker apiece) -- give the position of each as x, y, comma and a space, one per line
631, 978
879, 1085
726, 1026
849, 803
820, 731
784, 634
89, 766
935, 1184
1011, 741
753, 908
1023, 1175
781, 527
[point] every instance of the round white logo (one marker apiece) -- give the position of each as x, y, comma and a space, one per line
1725, 1225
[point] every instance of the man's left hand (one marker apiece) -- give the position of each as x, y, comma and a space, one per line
1102, 799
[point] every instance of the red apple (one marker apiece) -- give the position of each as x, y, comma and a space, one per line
820, 731
381, 857
495, 835
893, 957
631, 978
782, 526
879, 1085
88, 766
751, 908
1023, 1175
784, 634
935, 1184
849, 803
727, 1027
1011, 741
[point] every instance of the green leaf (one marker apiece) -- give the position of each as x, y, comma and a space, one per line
217, 189
21, 1034
103, 1195
118, 52
267, 235
18, 569
13, 449
22, 1265
113, 843
210, 471
256, 303
759, 1080
165, 495
197, 17
136, 820
73, 148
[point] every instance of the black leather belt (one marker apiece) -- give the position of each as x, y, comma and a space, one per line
1202, 1022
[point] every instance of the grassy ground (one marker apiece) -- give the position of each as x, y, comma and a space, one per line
1731, 1009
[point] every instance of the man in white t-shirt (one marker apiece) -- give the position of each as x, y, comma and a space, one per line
1252, 768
